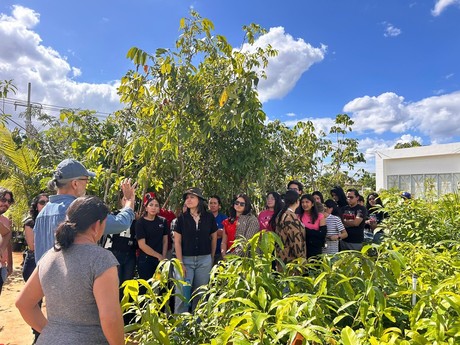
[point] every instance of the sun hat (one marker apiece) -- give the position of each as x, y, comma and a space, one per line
195, 191
70, 169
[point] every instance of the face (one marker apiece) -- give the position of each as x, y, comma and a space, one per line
41, 203
352, 199
81, 184
213, 205
306, 204
335, 197
5, 203
191, 201
317, 198
153, 208
371, 200
295, 187
239, 205
271, 201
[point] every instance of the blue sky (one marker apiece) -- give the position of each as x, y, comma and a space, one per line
393, 66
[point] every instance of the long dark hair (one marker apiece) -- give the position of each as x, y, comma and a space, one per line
81, 214
33, 211
276, 209
335, 209
337, 190
290, 198
317, 192
247, 207
378, 201
313, 211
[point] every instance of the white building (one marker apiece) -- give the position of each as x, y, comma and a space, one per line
416, 169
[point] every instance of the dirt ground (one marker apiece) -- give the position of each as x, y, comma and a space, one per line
13, 329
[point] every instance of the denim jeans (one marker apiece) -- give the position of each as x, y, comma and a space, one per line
198, 269
29, 265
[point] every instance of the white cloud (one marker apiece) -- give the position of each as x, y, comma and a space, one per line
391, 30
295, 56
386, 112
24, 59
441, 5
437, 116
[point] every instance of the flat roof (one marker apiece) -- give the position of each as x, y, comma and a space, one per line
420, 151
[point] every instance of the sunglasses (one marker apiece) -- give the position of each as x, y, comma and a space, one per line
236, 203
43, 202
4, 200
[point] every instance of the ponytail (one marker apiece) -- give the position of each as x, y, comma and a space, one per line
81, 214
65, 235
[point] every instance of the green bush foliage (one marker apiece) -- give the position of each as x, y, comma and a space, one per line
396, 293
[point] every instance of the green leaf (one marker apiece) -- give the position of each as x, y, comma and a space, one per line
349, 337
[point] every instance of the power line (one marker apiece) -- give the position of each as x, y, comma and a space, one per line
46, 107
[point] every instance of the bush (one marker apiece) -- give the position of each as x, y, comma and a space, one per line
366, 297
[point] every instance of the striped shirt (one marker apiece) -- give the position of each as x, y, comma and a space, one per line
334, 227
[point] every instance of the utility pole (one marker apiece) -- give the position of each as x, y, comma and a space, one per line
28, 111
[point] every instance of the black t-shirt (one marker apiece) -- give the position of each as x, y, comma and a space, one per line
152, 231
125, 241
355, 233
196, 240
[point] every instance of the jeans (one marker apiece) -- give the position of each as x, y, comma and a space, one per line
198, 270
29, 265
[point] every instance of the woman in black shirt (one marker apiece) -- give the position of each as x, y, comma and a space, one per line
195, 238
152, 238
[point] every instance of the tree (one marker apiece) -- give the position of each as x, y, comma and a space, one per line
412, 143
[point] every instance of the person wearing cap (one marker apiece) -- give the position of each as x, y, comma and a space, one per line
195, 238
70, 180
406, 195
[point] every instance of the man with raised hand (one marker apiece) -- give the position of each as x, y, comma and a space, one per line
70, 180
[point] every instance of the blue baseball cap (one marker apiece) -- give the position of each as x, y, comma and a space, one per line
406, 195
70, 169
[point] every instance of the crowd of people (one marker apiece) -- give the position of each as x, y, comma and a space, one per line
79, 254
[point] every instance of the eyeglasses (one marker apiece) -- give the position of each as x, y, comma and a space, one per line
4, 200
236, 203
43, 202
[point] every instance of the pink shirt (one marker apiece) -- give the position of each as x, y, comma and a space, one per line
306, 221
264, 219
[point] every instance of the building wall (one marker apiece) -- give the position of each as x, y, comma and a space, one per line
416, 170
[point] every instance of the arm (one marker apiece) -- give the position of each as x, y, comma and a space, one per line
178, 248
10, 258
213, 244
223, 246
27, 303
352, 222
165, 246
5, 232
105, 292
29, 235
149, 250
120, 222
